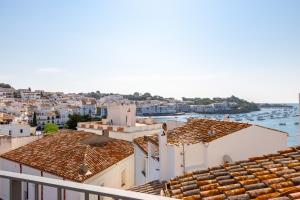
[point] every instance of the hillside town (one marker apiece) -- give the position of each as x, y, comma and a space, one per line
38, 107
141, 154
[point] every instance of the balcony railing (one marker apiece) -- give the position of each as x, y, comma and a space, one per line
86, 189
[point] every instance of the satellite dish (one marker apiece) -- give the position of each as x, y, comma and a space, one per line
227, 159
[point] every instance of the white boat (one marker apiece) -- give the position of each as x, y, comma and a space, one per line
260, 118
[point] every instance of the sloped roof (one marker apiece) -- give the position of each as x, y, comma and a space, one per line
153, 187
195, 131
142, 142
65, 153
265, 177
203, 130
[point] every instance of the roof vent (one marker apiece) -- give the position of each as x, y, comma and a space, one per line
227, 159
97, 140
83, 169
165, 129
211, 132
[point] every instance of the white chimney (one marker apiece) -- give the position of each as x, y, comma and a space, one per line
163, 153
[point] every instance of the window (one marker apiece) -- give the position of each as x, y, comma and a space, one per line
21, 130
123, 178
144, 166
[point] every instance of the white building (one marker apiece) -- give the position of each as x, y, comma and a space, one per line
27, 94
121, 123
157, 109
199, 144
88, 107
73, 156
111, 99
121, 114
7, 92
15, 129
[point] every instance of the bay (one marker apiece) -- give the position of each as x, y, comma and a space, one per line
283, 119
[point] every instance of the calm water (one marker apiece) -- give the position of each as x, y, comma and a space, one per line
269, 117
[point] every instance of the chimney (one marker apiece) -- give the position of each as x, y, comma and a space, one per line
105, 133
163, 153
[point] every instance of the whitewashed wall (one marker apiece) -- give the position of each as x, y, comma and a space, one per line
9, 143
249, 142
110, 177
118, 113
153, 164
139, 157
15, 130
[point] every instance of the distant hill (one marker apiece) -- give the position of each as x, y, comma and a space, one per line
238, 105
4, 85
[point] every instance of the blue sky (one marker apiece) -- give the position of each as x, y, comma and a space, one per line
249, 48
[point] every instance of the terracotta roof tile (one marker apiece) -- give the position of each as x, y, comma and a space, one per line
194, 131
205, 130
153, 187
267, 177
65, 153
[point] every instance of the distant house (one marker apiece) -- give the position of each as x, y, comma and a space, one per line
88, 107
29, 95
15, 129
74, 156
14, 133
199, 144
6, 118
7, 92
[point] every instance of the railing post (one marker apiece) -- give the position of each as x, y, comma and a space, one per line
59, 193
14, 181
36, 191
10, 189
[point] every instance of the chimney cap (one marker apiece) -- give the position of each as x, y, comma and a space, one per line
165, 126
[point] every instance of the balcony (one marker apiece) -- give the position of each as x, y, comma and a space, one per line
88, 191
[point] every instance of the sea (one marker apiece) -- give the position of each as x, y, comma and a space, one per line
283, 119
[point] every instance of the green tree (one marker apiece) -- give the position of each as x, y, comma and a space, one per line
74, 119
4, 85
34, 121
72, 122
50, 128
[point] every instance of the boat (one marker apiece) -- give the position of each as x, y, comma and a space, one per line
260, 118
180, 113
296, 123
282, 124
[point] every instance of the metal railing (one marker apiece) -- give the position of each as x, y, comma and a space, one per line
86, 189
